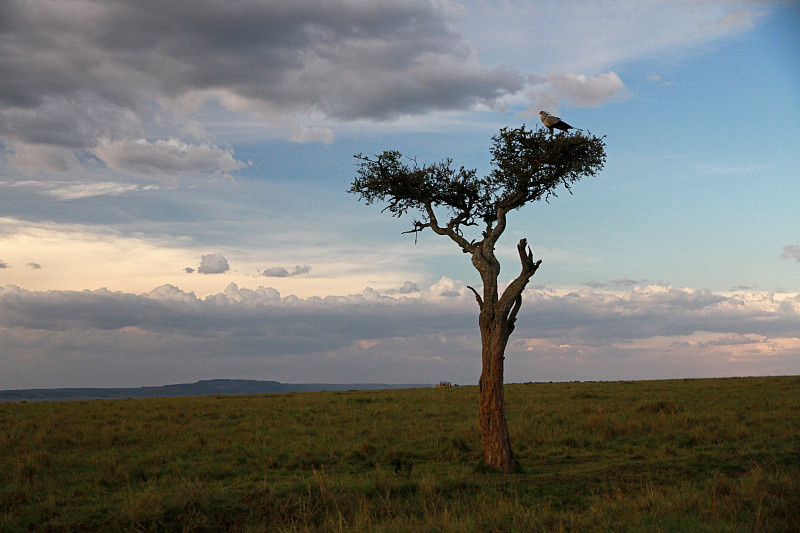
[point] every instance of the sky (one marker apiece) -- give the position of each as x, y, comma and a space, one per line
173, 181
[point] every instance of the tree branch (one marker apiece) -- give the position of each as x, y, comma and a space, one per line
477, 297
493, 233
449, 230
512, 316
511, 300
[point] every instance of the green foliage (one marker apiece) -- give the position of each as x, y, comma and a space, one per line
529, 165
683, 455
408, 186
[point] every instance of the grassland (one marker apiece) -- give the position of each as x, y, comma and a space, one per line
690, 455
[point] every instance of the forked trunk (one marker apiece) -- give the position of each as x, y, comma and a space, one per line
497, 317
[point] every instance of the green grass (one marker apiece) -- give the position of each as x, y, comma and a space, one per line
689, 455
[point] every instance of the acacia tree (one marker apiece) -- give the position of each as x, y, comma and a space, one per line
528, 165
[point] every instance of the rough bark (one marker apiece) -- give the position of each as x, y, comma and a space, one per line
498, 313
495, 441
496, 320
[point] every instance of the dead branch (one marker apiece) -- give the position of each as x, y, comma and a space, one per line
477, 297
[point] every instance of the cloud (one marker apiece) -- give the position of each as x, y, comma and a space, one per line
309, 135
34, 266
581, 91
77, 80
68, 190
791, 251
407, 288
622, 282
139, 86
89, 190
739, 20
3, 264
280, 272
652, 331
445, 288
655, 78
52, 114
626, 282
577, 90
276, 272
32, 157
166, 157
595, 284
592, 37
246, 311
132, 257
259, 296
213, 264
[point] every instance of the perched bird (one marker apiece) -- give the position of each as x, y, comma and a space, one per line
554, 122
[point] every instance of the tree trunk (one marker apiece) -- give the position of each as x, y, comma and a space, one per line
495, 441
497, 317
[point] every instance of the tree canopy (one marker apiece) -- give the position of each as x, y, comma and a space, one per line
528, 165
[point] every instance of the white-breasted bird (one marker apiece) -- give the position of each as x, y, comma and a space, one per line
554, 122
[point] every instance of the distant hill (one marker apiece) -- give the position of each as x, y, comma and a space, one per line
200, 388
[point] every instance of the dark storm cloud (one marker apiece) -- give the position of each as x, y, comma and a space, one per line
75, 74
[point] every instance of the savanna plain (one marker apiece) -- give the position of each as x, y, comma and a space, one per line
712, 455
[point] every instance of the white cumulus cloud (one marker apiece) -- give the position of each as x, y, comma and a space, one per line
213, 264
577, 90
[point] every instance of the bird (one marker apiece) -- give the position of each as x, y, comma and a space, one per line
554, 122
